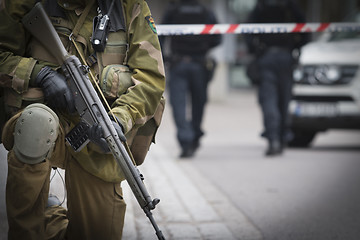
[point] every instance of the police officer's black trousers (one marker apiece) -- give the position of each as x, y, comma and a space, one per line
274, 94
188, 95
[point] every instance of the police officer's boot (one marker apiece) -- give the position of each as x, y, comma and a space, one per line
187, 150
274, 147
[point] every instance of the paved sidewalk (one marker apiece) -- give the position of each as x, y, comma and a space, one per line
190, 207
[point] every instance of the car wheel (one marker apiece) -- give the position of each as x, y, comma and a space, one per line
302, 138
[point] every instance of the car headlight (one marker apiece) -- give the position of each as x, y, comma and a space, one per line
298, 74
327, 74
333, 73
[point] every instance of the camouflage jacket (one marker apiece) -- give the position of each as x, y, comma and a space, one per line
137, 47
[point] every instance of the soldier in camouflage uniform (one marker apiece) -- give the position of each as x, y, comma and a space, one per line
28, 75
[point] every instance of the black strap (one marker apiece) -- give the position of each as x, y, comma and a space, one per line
117, 20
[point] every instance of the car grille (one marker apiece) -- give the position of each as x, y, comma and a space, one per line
325, 74
323, 98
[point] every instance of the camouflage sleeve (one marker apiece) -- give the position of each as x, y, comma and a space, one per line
145, 61
13, 45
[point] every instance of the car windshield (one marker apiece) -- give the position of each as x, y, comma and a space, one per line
354, 17
344, 35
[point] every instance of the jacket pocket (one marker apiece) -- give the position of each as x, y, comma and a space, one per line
115, 80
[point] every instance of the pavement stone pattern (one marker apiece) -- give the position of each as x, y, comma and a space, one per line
190, 207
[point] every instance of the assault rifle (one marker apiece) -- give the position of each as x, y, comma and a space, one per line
89, 107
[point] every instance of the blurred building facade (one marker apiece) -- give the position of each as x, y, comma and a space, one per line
232, 55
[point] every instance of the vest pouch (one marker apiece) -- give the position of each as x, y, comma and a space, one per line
140, 141
115, 50
115, 80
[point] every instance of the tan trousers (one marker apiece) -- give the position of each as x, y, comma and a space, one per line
96, 209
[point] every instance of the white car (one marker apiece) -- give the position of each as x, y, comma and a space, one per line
326, 93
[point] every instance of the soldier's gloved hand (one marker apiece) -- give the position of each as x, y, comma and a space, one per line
96, 135
56, 91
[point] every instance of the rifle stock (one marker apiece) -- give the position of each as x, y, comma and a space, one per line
89, 107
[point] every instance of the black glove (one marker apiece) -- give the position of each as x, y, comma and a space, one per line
56, 91
96, 135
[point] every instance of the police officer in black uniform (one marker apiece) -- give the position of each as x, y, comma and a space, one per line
189, 73
276, 56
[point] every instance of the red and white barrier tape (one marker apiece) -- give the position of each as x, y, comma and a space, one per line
254, 28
